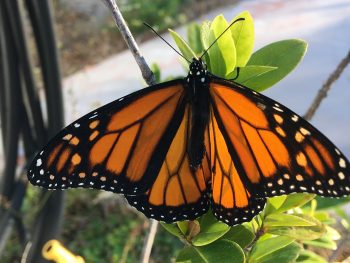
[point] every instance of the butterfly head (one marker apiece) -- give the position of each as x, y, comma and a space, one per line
198, 70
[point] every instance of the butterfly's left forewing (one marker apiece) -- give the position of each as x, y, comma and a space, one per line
274, 150
118, 147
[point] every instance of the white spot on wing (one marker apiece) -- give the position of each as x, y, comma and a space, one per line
277, 109
39, 162
93, 116
295, 118
341, 175
342, 163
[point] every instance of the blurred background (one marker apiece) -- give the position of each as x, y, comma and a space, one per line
96, 68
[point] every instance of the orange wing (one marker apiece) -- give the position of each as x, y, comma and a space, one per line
273, 150
119, 147
232, 202
178, 193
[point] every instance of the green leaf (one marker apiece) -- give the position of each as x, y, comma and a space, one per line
243, 36
284, 203
189, 255
265, 249
210, 230
327, 240
324, 217
205, 32
223, 53
284, 55
222, 251
186, 51
156, 71
248, 73
241, 235
194, 38
299, 232
323, 242
183, 226
274, 203
275, 220
306, 256
172, 229
295, 200
326, 203
284, 255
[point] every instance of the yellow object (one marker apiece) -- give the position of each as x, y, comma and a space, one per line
54, 250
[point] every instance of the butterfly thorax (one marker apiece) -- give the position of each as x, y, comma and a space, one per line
198, 99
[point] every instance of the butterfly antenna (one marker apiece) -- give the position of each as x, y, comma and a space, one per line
238, 19
155, 32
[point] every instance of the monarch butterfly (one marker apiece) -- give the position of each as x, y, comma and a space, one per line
180, 147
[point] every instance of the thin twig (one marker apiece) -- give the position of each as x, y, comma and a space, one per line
322, 93
147, 74
147, 247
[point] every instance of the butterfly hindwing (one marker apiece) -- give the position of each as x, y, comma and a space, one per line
232, 202
118, 147
178, 192
275, 150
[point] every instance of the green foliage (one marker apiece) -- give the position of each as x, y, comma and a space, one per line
259, 70
223, 251
158, 13
289, 225
285, 55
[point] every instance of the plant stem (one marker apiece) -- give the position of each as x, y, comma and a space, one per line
147, 247
322, 93
147, 74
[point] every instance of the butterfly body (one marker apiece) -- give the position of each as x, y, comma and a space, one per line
180, 147
199, 101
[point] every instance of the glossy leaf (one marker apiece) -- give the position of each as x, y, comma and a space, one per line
285, 55
156, 71
172, 229
205, 31
222, 251
185, 49
326, 203
324, 217
267, 248
275, 220
327, 240
309, 257
286, 254
241, 235
284, 203
274, 203
299, 232
248, 73
189, 255
223, 52
194, 38
210, 230
243, 36
183, 226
